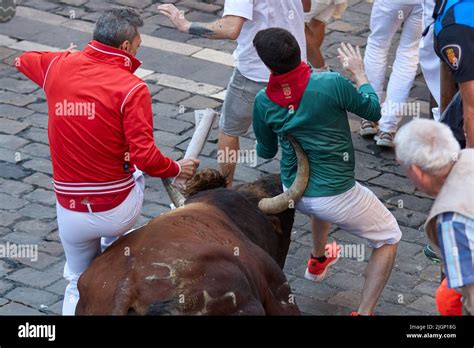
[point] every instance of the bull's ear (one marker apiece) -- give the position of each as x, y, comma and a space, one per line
276, 224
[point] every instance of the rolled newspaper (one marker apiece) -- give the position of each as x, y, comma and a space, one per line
204, 120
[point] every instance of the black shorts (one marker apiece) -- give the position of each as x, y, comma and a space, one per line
455, 46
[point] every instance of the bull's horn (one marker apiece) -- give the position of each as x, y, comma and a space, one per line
175, 195
288, 198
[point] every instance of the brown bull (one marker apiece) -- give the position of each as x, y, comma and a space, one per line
218, 255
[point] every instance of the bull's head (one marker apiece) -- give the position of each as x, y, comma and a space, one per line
274, 205
266, 193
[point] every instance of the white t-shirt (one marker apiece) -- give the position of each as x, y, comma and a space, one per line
263, 14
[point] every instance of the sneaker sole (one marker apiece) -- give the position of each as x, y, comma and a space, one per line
318, 278
367, 132
384, 143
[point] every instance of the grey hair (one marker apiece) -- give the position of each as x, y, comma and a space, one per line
117, 25
427, 144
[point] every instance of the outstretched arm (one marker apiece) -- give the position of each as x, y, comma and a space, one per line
362, 101
138, 126
352, 61
35, 65
228, 27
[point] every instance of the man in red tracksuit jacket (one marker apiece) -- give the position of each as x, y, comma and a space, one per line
100, 132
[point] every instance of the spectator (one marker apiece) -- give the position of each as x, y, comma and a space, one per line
386, 18
437, 166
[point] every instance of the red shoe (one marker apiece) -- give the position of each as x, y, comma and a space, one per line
316, 271
357, 314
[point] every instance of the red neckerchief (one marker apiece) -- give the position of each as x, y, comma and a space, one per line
287, 89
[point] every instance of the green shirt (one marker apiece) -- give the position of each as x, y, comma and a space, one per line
321, 127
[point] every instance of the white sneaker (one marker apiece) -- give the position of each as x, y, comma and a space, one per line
385, 139
368, 128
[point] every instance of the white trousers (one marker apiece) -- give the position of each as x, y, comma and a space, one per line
429, 61
85, 235
385, 20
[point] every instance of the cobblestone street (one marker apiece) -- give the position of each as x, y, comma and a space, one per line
185, 73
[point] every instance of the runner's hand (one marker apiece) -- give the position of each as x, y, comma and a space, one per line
72, 48
188, 168
352, 61
176, 16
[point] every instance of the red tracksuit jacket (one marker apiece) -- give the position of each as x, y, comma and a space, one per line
100, 124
